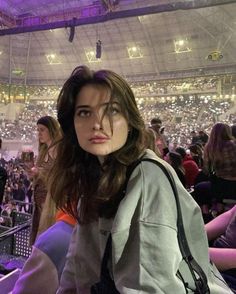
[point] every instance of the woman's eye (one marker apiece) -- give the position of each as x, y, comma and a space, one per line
114, 110
83, 113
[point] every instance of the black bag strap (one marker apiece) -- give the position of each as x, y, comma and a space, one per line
197, 273
106, 255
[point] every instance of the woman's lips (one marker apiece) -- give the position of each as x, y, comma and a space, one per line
98, 139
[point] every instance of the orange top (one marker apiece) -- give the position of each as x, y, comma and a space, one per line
62, 216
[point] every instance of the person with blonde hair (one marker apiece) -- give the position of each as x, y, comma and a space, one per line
49, 133
42, 270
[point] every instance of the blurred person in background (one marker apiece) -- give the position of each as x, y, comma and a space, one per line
196, 151
18, 193
220, 163
203, 137
190, 166
233, 128
49, 133
194, 137
3, 180
175, 160
151, 141
161, 142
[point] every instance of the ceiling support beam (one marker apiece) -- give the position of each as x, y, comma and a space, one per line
161, 8
7, 20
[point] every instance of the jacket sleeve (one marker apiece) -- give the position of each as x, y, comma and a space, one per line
151, 258
38, 275
82, 268
68, 278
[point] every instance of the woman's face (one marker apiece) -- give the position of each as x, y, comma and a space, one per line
43, 134
93, 130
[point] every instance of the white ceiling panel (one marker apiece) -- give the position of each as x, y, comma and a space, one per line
203, 30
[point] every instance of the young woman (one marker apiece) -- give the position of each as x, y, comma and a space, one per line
220, 162
103, 135
48, 134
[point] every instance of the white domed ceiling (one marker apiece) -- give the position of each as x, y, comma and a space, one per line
42, 41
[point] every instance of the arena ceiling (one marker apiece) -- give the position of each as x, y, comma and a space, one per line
41, 42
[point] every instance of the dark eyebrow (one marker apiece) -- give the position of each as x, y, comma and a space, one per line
103, 104
82, 106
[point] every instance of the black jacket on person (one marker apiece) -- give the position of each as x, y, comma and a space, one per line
3, 179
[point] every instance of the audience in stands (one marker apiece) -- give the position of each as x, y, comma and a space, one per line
203, 137
196, 151
181, 115
190, 167
194, 137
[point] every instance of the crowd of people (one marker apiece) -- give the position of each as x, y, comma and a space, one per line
181, 116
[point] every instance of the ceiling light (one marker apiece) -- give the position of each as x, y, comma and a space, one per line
134, 52
215, 56
182, 46
53, 59
18, 72
91, 56
180, 42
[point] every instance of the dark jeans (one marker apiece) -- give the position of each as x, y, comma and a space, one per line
217, 189
230, 279
223, 189
203, 194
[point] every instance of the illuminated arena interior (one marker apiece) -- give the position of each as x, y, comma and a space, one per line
179, 57
170, 51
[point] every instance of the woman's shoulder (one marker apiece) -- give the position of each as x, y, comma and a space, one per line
54, 235
150, 161
230, 146
150, 170
230, 143
145, 166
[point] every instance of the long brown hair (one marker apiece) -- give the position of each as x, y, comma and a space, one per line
54, 132
77, 176
220, 134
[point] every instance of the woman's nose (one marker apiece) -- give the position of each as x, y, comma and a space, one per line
97, 124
